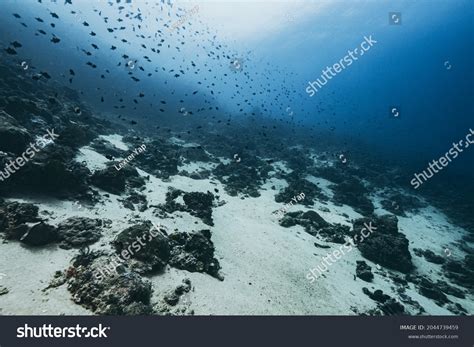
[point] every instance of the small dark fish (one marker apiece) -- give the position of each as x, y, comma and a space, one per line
92, 33
16, 15
113, 48
45, 75
71, 71
42, 32
16, 44
54, 15
55, 40
39, 19
85, 24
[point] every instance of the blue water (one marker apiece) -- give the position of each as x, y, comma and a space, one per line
423, 66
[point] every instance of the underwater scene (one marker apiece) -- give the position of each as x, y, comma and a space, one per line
237, 157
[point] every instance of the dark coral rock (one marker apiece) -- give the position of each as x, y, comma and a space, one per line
194, 153
385, 245
107, 149
115, 181
200, 205
14, 215
243, 177
377, 295
53, 171
314, 224
392, 307
457, 309
160, 159
450, 290
461, 272
13, 137
144, 243
39, 235
310, 220
77, 232
136, 199
353, 193
364, 271
431, 290
385, 303
297, 184
124, 294
193, 252
75, 135
196, 203
429, 256
400, 204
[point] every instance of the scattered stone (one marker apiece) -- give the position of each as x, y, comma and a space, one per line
314, 225
364, 271
385, 303
429, 256
39, 235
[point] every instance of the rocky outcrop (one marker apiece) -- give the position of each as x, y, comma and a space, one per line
195, 203
39, 235
385, 245
297, 185
76, 232
116, 181
194, 252
148, 248
14, 216
13, 137
314, 224
244, 175
352, 192
124, 294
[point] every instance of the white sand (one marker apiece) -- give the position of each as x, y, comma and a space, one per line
264, 264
